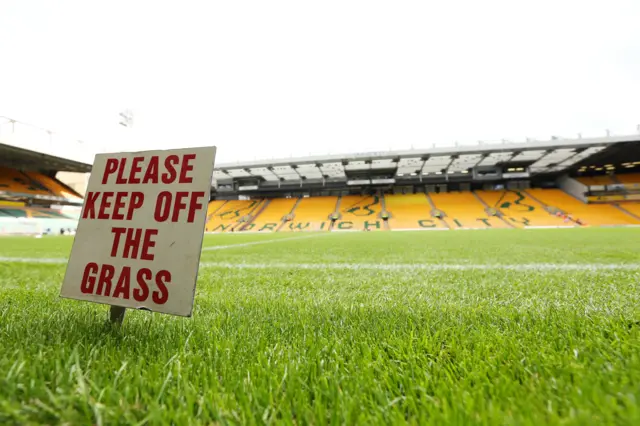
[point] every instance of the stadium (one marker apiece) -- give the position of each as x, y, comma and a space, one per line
325, 297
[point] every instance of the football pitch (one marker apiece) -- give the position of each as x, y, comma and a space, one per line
457, 327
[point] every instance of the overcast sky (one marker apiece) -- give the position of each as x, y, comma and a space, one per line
269, 78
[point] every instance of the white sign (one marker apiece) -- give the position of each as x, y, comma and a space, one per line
140, 232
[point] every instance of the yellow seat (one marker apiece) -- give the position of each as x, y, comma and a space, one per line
272, 216
520, 210
12, 180
54, 186
633, 208
312, 214
227, 217
464, 210
411, 211
591, 214
629, 178
360, 213
596, 180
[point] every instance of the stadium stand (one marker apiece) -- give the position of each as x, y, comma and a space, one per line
411, 211
633, 208
590, 214
232, 215
464, 210
629, 178
31, 212
360, 213
597, 180
312, 214
12, 180
273, 215
54, 186
520, 210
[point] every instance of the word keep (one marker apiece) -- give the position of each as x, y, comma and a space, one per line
122, 205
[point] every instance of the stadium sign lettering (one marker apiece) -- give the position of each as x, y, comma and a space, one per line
140, 232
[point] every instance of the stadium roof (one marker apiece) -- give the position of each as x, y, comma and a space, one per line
539, 157
13, 156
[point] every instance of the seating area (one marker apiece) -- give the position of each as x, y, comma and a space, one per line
12, 180
54, 186
464, 210
270, 220
633, 208
312, 214
591, 214
33, 183
31, 212
411, 211
360, 213
629, 178
231, 215
461, 210
597, 180
520, 210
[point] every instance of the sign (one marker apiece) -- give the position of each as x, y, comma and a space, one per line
140, 232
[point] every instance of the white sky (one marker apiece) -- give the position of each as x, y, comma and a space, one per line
262, 79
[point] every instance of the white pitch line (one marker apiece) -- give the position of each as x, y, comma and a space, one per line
255, 243
427, 267
532, 267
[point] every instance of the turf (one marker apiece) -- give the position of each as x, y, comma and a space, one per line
340, 329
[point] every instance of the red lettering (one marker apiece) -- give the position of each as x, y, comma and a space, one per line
116, 240
162, 295
110, 167
132, 243
104, 281
179, 205
148, 243
124, 284
151, 175
105, 204
118, 205
135, 169
163, 206
169, 162
90, 205
194, 205
120, 180
137, 199
141, 294
89, 278
186, 167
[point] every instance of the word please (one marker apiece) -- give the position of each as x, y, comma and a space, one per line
173, 168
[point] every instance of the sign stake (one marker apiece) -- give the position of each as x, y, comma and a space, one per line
116, 314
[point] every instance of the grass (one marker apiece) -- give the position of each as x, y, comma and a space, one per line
348, 341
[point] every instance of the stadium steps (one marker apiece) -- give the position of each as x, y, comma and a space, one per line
632, 210
433, 207
383, 203
253, 217
336, 210
291, 212
252, 214
487, 207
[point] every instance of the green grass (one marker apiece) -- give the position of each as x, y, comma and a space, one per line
282, 341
